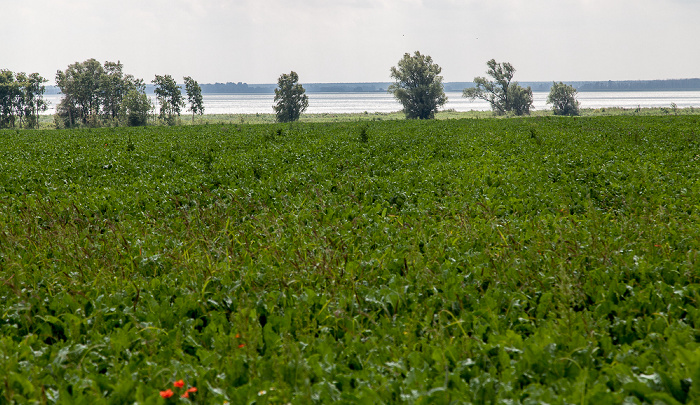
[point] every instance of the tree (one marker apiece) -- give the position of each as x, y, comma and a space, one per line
418, 86
290, 98
194, 96
93, 93
9, 91
503, 95
112, 89
19, 102
114, 85
33, 94
169, 97
135, 107
21, 96
563, 99
80, 84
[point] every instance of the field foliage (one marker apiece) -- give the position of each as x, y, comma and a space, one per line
538, 260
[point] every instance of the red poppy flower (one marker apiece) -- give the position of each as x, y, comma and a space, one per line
179, 384
167, 393
187, 393
242, 345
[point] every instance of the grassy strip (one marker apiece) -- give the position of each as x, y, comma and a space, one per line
47, 121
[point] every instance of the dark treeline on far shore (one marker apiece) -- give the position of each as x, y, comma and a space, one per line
624, 85
228, 88
610, 85
639, 85
245, 88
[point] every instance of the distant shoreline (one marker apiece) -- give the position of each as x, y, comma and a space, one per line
377, 87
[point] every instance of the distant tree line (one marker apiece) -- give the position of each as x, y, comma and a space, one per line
640, 85
21, 99
346, 87
628, 85
234, 88
245, 88
99, 95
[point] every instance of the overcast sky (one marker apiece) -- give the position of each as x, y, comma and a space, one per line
254, 41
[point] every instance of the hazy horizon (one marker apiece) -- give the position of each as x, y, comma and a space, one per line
355, 41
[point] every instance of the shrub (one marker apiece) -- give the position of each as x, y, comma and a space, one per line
563, 99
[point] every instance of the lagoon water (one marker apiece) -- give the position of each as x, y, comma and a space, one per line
384, 102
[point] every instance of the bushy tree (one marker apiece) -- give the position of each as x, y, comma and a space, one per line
504, 95
194, 97
9, 93
114, 85
169, 97
93, 93
135, 108
418, 86
34, 99
563, 99
21, 99
290, 98
80, 85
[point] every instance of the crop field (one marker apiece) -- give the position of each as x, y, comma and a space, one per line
486, 261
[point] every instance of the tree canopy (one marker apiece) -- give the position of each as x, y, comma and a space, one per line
504, 95
563, 99
418, 86
194, 96
290, 98
114, 86
135, 108
169, 97
93, 93
80, 85
21, 99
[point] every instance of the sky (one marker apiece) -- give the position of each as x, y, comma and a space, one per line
327, 41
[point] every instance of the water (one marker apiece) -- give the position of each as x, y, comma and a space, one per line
384, 102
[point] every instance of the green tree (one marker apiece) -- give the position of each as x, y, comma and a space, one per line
19, 103
563, 99
290, 98
112, 89
114, 85
9, 92
34, 99
194, 96
502, 93
80, 84
418, 86
93, 93
169, 97
135, 108
21, 97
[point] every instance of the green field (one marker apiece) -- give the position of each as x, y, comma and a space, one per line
510, 261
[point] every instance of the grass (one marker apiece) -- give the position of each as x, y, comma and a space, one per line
528, 260
47, 121
442, 115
